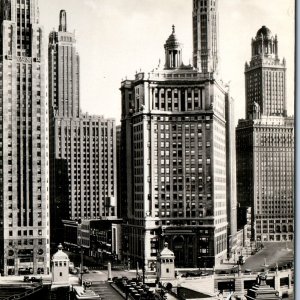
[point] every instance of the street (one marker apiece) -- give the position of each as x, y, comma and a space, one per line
99, 276
105, 291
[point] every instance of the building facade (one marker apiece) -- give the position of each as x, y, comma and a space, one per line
231, 193
265, 145
83, 146
173, 155
24, 174
205, 35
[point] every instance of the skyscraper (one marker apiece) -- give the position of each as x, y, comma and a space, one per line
83, 146
205, 35
173, 154
24, 180
265, 144
64, 71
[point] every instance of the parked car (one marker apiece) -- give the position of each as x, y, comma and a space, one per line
36, 279
74, 271
71, 266
87, 284
32, 279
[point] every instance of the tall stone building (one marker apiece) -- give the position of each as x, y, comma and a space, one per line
205, 35
265, 145
118, 165
83, 153
24, 180
231, 176
173, 153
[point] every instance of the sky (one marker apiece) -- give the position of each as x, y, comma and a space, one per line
116, 38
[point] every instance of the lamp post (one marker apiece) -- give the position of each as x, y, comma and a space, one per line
231, 289
81, 252
143, 271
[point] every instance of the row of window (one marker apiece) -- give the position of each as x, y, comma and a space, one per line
25, 232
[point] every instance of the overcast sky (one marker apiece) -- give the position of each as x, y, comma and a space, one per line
117, 37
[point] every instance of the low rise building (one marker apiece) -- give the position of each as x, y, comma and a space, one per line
60, 268
100, 239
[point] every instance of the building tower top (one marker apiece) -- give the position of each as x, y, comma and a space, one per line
173, 51
265, 77
205, 35
62, 21
265, 45
60, 255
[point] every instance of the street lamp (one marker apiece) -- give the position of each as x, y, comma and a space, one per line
81, 252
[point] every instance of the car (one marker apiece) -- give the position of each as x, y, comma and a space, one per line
74, 271
36, 279
87, 284
32, 279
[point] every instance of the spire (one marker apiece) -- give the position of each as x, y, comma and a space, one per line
173, 51
62, 21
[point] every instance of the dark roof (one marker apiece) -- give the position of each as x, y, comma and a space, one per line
172, 41
265, 31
